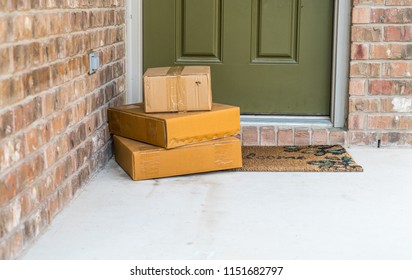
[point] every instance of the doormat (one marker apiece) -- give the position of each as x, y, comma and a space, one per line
320, 158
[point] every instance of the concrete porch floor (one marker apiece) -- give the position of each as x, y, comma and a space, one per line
233, 215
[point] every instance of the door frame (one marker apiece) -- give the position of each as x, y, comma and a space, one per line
340, 68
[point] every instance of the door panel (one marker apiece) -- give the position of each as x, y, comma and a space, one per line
267, 56
274, 31
198, 30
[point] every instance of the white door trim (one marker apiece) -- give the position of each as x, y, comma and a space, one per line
134, 50
340, 75
341, 57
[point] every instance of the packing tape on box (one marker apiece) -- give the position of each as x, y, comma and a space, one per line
175, 71
176, 91
172, 93
181, 94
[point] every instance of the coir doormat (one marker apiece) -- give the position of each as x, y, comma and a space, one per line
298, 159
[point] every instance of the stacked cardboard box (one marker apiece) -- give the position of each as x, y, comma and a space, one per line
153, 145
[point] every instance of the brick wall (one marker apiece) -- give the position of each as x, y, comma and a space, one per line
380, 103
380, 85
53, 130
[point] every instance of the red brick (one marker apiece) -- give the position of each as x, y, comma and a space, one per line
120, 51
3, 232
30, 169
36, 224
40, 25
30, 200
65, 19
356, 121
406, 139
16, 244
55, 101
391, 15
337, 137
398, 69
359, 51
46, 186
54, 26
7, 6
27, 113
389, 87
11, 152
58, 124
359, 138
6, 124
120, 17
9, 187
38, 4
65, 194
12, 215
45, 132
23, 25
390, 51
22, 5
383, 122
396, 104
6, 29
31, 140
30, 83
79, 111
398, 2
364, 104
5, 65
366, 34
249, 135
58, 174
53, 207
79, 21
20, 57
57, 150
267, 136
368, 2
319, 136
381, 86
361, 15
50, 50
362, 69
11, 91
405, 122
357, 87
398, 33
285, 137
302, 137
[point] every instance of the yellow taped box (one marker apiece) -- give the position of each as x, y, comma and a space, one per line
171, 130
143, 161
177, 89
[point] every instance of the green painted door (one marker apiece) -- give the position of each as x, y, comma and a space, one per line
266, 56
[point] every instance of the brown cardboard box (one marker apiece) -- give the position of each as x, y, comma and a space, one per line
170, 130
180, 88
143, 161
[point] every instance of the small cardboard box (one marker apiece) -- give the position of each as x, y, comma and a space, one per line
143, 161
177, 89
170, 130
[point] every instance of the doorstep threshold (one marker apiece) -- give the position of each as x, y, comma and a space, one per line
296, 121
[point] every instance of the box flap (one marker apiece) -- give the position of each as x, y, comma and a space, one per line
159, 71
196, 70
